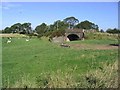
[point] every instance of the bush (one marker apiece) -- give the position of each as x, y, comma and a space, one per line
58, 33
39, 36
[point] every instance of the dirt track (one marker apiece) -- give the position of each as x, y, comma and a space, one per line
89, 46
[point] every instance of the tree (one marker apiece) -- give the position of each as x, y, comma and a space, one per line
114, 31
71, 21
57, 24
101, 30
0, 31
59, 28
26, 28
41, 29
7, 30
60, 25
87, 25
16, 28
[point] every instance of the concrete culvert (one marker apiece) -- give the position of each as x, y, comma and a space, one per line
73, 37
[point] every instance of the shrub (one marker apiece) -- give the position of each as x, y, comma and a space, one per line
58, 33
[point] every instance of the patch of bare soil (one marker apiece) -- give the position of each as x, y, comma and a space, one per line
93, 46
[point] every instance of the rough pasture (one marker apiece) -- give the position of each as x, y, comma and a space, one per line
31, 61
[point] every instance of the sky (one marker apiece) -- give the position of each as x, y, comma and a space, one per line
104, 14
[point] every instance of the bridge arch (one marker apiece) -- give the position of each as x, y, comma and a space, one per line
73, 37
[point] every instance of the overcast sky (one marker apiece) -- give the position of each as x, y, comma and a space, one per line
104, 14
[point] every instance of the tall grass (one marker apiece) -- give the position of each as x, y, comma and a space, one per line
57, 79
104, 77
101, 36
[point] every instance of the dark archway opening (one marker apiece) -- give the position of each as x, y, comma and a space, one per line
73, 37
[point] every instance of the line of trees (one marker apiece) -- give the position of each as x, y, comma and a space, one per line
24, 28
55, 29
58, 27
113, 31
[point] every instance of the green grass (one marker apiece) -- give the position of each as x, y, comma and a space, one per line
99, 42
32, 58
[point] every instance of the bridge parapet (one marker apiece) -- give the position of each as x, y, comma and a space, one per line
73, 30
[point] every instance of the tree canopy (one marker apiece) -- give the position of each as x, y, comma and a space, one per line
24, 28
56, 29
72, 21
113, 31
40, 29
87, 25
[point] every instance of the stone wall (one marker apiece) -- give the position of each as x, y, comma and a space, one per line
60, 39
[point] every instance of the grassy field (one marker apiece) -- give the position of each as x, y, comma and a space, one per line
31, 63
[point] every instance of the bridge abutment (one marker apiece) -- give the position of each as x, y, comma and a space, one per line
74, 34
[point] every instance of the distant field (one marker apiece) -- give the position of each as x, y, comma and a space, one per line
12, 35
32, 58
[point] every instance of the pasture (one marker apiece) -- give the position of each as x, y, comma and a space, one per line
30, 61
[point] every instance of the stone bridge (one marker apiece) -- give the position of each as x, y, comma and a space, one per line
74, 34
